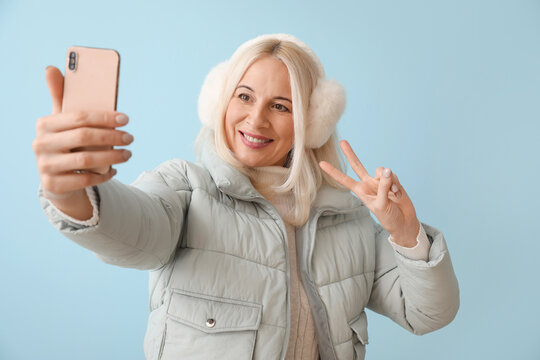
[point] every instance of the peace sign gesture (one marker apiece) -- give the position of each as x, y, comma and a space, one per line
383, 195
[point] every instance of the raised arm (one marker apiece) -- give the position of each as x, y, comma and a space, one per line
419, 295
139, 225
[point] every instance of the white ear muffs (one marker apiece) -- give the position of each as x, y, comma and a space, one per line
211, 93
326, 105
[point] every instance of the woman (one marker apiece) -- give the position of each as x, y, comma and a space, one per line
259, 250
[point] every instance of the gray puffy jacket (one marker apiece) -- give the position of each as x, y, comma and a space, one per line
219, 280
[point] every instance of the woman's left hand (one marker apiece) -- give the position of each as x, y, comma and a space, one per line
382, 194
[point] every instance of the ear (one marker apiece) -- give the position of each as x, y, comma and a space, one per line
326, 106
211, 94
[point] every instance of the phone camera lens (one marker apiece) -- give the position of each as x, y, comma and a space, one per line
72, 60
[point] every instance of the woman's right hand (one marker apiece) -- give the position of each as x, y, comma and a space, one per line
62, 166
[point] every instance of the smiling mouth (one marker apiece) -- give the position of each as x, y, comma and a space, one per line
254, 139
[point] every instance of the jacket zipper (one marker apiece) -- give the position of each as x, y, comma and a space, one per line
288, 275
311, 231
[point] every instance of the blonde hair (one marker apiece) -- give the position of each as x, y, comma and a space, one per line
305, 177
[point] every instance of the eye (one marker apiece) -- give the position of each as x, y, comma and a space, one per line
244, 97
281, 108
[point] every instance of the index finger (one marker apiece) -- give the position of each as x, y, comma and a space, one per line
353, 160
74, 120
337, 175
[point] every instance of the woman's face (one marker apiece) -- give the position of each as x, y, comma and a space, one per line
258, 122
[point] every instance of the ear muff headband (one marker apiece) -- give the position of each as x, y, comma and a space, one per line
326, 105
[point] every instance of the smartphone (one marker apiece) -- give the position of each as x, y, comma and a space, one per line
90, 84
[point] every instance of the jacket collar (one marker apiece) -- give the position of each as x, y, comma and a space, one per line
226, 177
232, 182
332, 199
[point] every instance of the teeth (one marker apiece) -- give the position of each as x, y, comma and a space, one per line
252, 139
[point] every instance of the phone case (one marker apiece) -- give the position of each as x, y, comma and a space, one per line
90, 84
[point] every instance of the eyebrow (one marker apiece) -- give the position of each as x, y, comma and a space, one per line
275, 97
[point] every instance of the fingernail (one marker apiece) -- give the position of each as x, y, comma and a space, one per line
122, 119
387, 172
127, 138
48, 66
113, 171
127, 154
394, 188
398, 194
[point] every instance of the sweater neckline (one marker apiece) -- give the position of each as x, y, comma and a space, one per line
265, 179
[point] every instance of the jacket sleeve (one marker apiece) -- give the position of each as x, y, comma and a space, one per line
139, 224
418, 295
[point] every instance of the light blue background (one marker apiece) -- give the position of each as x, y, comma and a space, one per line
445, 93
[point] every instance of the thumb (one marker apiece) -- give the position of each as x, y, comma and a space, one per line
55, 81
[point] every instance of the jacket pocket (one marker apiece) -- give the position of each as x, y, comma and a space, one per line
206, 327
360, 335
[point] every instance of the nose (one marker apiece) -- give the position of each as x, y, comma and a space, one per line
258, 118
